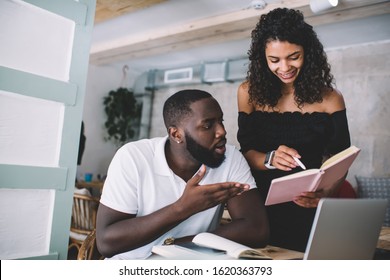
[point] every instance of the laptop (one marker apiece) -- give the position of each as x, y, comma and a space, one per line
346, 229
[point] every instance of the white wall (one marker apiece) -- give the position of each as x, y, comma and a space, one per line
98, 152
363, 76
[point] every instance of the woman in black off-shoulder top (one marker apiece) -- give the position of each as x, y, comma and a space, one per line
289, 107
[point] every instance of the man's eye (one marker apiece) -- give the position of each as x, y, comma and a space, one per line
294, 58
207, 125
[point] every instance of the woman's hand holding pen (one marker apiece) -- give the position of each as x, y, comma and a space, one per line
286, 158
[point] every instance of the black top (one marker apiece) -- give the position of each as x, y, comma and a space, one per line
313, 135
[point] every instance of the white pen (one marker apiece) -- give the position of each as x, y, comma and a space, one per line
299, 162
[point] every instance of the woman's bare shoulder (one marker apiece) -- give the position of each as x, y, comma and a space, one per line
243, 88
333, 101
243, 99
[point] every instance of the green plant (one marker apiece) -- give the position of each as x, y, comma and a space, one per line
123, 115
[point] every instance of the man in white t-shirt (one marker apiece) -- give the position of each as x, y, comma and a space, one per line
166, 190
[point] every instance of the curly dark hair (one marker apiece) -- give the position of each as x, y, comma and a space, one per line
287, 25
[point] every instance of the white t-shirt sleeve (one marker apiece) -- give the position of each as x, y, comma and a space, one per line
240, 170
120, 188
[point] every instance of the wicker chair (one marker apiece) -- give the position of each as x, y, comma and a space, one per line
88, 250
83, 219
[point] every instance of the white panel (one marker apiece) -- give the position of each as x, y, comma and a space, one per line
30, 130
34, 40
237, 69
25, 230
178, 75
214, 72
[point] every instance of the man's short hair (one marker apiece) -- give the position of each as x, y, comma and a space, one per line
177, 106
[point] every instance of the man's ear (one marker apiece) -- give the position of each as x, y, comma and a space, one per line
175, 134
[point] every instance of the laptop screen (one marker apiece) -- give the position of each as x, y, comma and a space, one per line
345, 229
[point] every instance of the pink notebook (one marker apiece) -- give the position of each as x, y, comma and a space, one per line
286, 188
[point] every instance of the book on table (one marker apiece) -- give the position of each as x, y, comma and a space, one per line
286, 188
207, 245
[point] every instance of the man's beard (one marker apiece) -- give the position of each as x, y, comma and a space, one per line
203, 154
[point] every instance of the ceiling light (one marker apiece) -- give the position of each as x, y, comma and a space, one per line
258, 4
321, 5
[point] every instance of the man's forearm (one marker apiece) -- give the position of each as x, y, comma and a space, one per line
131, 233
245, 232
